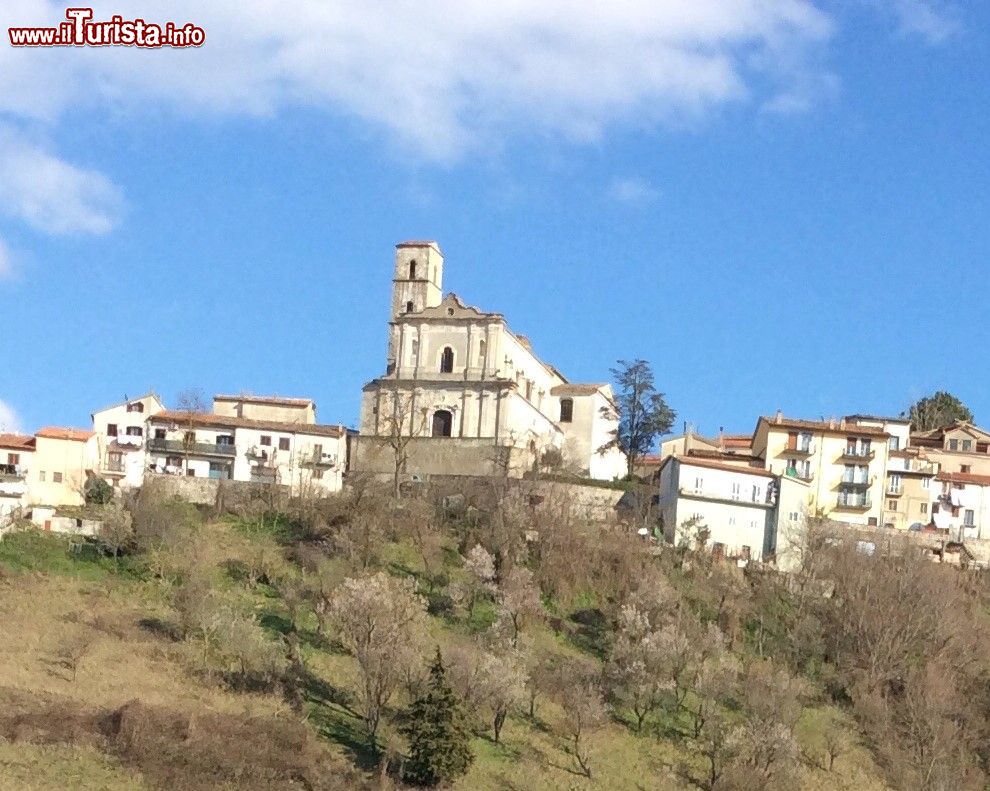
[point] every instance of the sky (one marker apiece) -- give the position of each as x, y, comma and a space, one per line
780, 204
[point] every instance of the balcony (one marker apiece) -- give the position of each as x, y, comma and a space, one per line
854, 501
114, 465
182, 447
319, 460
857, 482
793, 472
801, 449
894, 491
851, 453
12, 472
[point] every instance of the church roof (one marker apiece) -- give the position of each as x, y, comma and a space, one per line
452, 307
578, 389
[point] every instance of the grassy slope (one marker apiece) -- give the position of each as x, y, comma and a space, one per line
47, 592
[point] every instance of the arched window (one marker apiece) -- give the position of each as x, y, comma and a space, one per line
447, 361
443, 423
412, 270
409, 307
566, 410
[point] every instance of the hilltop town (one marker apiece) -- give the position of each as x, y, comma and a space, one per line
464, 396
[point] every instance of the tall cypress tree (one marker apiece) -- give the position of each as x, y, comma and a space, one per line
439, 749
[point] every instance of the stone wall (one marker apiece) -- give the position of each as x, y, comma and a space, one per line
431, 456
205, 491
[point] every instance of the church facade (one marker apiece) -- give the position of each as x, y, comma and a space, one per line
464, 394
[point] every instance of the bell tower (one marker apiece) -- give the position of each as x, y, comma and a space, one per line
416, 284
418, 278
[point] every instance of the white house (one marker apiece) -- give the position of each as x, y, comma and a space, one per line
470, 393
120, 435
307, 457
747, 513
961, 504
16, 459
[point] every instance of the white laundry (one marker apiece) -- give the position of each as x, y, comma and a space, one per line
942, 519
970, 497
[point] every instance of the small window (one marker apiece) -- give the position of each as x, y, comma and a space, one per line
56, 477
225, 439
967, 445
266, 439
111, 429
872, 521
969, 518
317, 474
412, 270
566, 410
965, 467
894, 443
190, 472
923, 508
953, 444
159, 433
190, 437
318, 451
415, 350
409, 307
135, 431
892, 505
481, 353
138, 407
41, 476
173, 461
699, 484
13, 459
283, 443
447, 361
529, 389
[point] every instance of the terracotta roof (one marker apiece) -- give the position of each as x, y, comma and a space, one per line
880, 419
18, 441
209, 420
71, 434
134, 400
964, 477
419, 243
737, 441
577, 389
715, 465
824, 426
271, 400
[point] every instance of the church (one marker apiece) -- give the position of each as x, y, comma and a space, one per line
462, 394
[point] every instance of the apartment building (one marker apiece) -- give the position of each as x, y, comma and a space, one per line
63, 459
16, 460
307, 457
960, 447
843, 461
910, 489
120, 432
744, 512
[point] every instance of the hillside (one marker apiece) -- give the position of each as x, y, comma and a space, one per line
204, 657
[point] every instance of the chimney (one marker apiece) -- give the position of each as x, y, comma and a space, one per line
779, 417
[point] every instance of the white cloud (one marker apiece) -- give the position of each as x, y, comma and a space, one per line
933, 20
442, 77
52, 195
9, 420
632, 190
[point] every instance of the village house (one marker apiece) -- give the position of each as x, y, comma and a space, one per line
741, 512
120, 435
64, 458
307, 457
470, 395
16, 459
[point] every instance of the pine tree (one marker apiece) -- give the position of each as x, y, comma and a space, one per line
439, 749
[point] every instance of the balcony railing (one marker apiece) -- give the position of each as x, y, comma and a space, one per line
324, 460
792, 472
857, 481
895, 491
801, 449
851, 452
115, 465
190, 448
852, 500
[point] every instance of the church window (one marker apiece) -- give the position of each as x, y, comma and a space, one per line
529, 389
447, 361
566, 410
481, 353
409, 307
412, 270
443, 423
415, 349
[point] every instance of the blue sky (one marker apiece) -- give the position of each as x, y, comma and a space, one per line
779, 204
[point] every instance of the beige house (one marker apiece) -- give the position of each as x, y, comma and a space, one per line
910, 489
843, 460
16, 460
961, 447
63, 460
277, 408
121, 432
470, 394
309, 458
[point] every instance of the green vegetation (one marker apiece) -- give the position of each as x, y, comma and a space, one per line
291, 650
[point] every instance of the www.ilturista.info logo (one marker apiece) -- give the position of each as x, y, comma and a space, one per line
81, 31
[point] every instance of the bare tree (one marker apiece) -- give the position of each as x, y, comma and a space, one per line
580, 696
401, 426
518, 601
381, 621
